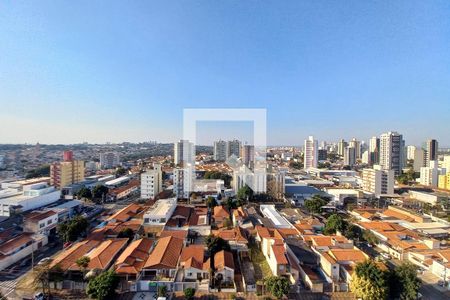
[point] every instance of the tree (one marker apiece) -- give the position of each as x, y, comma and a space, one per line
189, 293
162, 291
219, 175
314, 205
369, 282
211, 202
227, 223
83, 263
84, 193
245, 193
295, 165
70, 230
99, 191
277, 286
403, 282
103, 286
43, 170
353, 232
126, 233
41, 277
121, 171
369, 237
214, 245
334, 223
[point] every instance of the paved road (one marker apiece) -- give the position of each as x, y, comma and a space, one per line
430, 293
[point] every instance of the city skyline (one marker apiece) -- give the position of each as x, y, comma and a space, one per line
313, 66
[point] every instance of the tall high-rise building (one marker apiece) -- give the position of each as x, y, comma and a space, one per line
341, 147
109, 160
310, 153
183, 179
354, 143
350, 156
67, 172
151, 182
248, 155
184, 152
220, 150
233, 148
392, 152
322, 154
374, 150
417, 155
378, 181
431, 151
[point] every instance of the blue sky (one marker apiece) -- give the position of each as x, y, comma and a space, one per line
98, 71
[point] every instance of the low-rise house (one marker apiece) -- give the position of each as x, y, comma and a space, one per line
220, 214
101, 256
127, 213
130, 263
124, 191
41, 222
20, 247
114, 229
239, 216
236, 237
163, 259
192, 261
224, 264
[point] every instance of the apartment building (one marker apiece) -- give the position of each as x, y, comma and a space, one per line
310, 153
392, 152
151, 182
378, 181
67, 172
109, 160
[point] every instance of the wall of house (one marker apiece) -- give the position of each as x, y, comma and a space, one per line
8, 260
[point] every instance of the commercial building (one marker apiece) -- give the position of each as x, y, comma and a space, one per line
378, 181
31, 197
431, 151
67, 172
160, 212
392, 154
310, 153
183, 152
109, 160
269, 211
19, 247
151, 182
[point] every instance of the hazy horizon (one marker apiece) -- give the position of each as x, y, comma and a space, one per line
85, 71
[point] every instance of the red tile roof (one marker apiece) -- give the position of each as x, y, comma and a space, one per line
223, 259
165, 255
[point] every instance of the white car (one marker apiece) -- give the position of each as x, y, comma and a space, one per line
386, 256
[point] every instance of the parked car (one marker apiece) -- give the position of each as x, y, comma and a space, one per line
386, 256
44, 260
